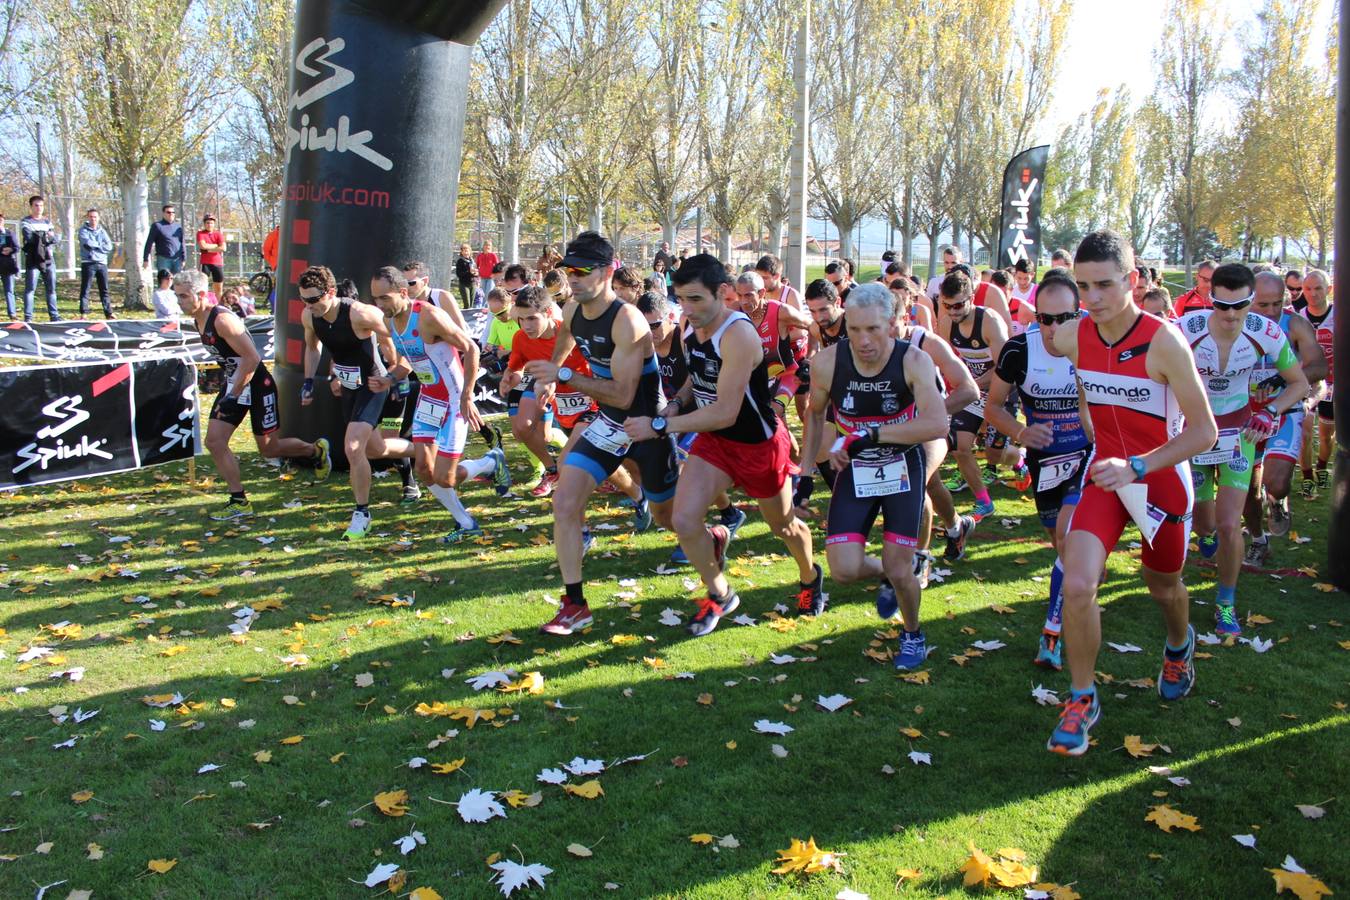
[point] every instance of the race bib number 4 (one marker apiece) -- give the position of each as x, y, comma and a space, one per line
1224, 449
1055, 470
431, 411
880, 479
607, 436
348, 376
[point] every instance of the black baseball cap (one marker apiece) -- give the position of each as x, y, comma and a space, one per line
590, 248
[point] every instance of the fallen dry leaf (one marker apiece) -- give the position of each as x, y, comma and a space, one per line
806, 859
1167, 818
392, 803
160, 866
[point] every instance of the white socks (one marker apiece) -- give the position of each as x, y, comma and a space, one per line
450, 500
476, 468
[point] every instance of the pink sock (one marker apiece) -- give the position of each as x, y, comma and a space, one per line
982, 495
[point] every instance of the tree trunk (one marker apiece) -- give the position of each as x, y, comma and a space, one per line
511, 215
845, 238
956, 235
724, 246
907, 224
136, 216
776, 237
68, 185
669, 225
596, 216
932, 252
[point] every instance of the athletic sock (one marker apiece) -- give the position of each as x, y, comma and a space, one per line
363, 508
1259, 538
1307, 474
1227, 594
730, 514
239, 496
982, 495
1053, 615
573, 594
404, 467
476, 468
450, 500
955, 531
1176, 652
487, 434
1088, 692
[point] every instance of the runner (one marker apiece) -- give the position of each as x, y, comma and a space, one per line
1276, 463
776, 287
444, 359
249, 391
951, 258
740, 440
1321, 313
674, 373
349, 330
886, 406
978, 337
1057, 439
615, 339
1228, 342
1293, 283
1137, 379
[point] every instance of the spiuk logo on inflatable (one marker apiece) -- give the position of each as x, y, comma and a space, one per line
335, 140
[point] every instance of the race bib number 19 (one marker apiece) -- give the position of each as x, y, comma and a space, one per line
1055, 470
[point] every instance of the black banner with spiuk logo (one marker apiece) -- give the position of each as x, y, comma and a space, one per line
1019, 231
87, 419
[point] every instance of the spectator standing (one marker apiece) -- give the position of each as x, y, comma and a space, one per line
487, 261
663, 256
9, 265
211, 253
465, 275
38, 237
95, 245
166, 238
166, 303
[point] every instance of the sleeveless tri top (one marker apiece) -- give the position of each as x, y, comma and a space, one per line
755, 421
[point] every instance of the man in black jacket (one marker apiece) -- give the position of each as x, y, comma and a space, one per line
166, 237
465, 275
38, 236
9, 265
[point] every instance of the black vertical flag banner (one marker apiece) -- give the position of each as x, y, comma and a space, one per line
374, 126
1019, 230
87, 419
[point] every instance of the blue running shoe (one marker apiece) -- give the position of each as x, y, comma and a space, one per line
913, 651
1076, 718
1209, 545
461, 534
587, 541
1178, 670
888, 605
642, 517
733, 518
983, 510
677, 558
1050, 655
501, 475
1226, 620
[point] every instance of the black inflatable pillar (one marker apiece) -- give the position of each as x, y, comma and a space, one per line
1338, 538
374, 128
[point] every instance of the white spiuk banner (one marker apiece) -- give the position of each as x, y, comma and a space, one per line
86, 419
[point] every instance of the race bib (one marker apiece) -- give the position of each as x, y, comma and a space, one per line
431, 411
1055, 470
245, 397
1224, 449
977, 408
571, 403
424, 371
607, 436
880, 478
348, 376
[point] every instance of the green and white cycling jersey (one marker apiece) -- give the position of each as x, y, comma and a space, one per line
1228, 386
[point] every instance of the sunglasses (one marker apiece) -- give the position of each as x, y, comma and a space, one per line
579, 271
954, 305
1231, 305
1049, 319
655, 325
315, 299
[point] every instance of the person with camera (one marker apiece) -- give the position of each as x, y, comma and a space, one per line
38, 236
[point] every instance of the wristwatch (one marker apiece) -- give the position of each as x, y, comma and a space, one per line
1138, 467
564, 375
659, 425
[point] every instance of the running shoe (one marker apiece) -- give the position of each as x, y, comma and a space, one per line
323, 459
571, 618
710, 613
888, 605
546, 484
721, 536
1076, 718
1309, 489
233, 509
677, 558
923, 568
1257, 554
1280, 519
990, 477
359, 527
587, 541
501, 475
913, 651
956, 485
642, 517
411, 494
556, 442
1021, 478
811, 597
733, 518
1178, 671
1050, 655
1323, 479
462, 534
1209, 545
1226, 620
983, 510
494, 442
607, 487
956, 546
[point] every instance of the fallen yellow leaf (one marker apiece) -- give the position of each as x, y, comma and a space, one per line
1167, 818
263, 756
1138, 748
806, 859
700, 838
588, 789
447, 768
392, 803
82, 796
1300, 884
424, 893
293, 740
160, 866
337, 757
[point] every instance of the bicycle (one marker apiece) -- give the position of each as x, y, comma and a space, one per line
263, 283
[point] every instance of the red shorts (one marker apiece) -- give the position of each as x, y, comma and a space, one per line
758, 469
1101, 513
